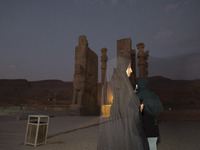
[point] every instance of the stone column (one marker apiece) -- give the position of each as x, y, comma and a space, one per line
142, 60
124, 49
104, 59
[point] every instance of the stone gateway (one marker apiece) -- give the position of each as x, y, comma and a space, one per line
85, 83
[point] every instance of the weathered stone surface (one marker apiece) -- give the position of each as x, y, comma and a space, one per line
124, 48
80, 70
85, 91
142, 60
104, 59
85, 79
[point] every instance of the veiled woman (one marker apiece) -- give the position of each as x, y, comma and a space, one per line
122, 128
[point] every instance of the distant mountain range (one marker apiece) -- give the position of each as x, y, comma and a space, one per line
21, 91
181, 67
175, 94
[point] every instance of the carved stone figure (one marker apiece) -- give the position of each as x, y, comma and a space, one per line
85, 79
80, 73
142, 60
78, 84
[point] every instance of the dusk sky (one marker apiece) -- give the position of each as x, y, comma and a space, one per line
38, 37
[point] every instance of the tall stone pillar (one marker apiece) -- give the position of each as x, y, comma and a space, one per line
85, 83
104, 59
80, 70
142, 60
124, 48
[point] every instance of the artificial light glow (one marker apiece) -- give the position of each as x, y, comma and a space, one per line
105, 110
109, 96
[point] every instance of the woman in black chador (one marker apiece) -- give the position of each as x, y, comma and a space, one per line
122, 130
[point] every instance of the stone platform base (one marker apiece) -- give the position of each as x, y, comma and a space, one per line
84, 110
74, 110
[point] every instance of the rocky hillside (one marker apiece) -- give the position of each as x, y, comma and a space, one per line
174, 94
16, 92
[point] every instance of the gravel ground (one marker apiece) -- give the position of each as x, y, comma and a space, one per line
179, 135
175, 135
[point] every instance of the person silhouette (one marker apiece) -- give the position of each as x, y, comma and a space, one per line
122, 129
152, 108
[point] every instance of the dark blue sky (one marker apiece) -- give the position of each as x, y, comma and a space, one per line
38, 37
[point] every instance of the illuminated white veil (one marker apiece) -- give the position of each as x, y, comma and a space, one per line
120, 125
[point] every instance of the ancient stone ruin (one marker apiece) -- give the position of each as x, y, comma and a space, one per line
85, 83
142, 60
124, 49
104, 59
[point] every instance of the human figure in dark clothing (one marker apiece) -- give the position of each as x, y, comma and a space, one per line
152, 108
122, 129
